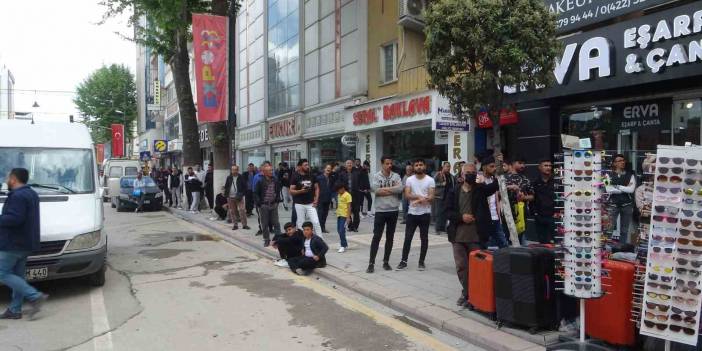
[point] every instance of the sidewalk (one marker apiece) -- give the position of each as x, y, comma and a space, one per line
429, 296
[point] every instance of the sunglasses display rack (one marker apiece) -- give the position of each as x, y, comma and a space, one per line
582, 224
671, 297
642, 246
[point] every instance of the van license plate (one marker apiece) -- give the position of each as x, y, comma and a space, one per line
37, 273
147, 201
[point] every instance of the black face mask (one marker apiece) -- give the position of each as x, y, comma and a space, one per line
470, 178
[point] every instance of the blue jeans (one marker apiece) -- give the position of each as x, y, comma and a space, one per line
341, 228
497, 237
12, 275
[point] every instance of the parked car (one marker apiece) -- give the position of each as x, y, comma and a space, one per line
114, 169
153, 198
62, 170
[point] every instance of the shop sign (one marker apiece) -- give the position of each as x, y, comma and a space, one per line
441, 137
285, 128
204, 135
574, 14
507, 117
250, 136
458, 149
445, 120
349, 140
661, 46
175, 145
145, 156
406, 108
651, 114
160, 146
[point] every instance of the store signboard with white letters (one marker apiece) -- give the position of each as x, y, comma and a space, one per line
661, 46
574, 14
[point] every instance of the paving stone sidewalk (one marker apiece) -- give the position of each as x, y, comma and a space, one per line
426, 295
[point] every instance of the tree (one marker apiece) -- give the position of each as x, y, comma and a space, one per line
164, 26
107, 90
478, 49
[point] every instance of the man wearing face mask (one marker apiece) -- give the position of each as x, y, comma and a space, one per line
470, 222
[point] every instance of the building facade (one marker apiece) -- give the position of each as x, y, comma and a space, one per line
7, 93
628, 82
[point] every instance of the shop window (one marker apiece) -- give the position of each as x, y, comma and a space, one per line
325, 151
686, 121
388, 63
406, 146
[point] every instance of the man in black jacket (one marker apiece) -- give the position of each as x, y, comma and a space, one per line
209, 186
266, 198
235, 191
289, 245
19, 236
350, 177
470, 222
249, 176
314, 249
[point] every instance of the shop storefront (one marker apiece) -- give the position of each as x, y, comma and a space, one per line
285, 138
174, 156
324, 130
627, 86
205, 138
405, 128
250, 145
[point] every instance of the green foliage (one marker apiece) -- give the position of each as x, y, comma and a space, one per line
106, 90
477, 48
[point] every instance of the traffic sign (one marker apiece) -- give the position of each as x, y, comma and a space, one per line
160, 146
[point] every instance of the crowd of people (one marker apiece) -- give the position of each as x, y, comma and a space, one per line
464, 204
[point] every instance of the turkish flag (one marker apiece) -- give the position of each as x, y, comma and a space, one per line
117, 140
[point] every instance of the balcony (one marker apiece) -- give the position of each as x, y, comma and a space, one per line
413, 79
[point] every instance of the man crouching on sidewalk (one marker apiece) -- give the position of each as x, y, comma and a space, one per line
289, 245
19, 236
312, 253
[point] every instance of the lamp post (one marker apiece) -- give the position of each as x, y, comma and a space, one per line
124, 118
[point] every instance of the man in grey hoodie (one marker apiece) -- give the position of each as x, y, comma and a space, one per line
387, 186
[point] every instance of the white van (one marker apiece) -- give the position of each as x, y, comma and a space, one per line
114, 169
61, 161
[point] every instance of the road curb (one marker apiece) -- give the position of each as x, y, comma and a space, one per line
469, 330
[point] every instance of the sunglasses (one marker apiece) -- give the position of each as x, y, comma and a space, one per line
691, 272
664, 230
582, 179
680, 318
663, 278
582, 217
685, 290
586, 240
654, 306
693, 171
581, 172
687, 301
658, 239
677, 329
653, 295
691, 182
685, 241
586, 225
690, 192
581, 286
659, 286
581, 210
687, 223
583, 233
659, 317
687, 313
583, 193
669, 199
689, 251
664, 269
671, 179
661, 256
673, 211
687, 232
692, 163
666, 160
651, 325
663, 249
670, 220
674, 170
583, 204
692, 202
689, 283
663, 190
586, 154
685, 261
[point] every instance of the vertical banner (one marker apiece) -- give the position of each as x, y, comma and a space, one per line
458, 149
99, 153
211, 63
117, 140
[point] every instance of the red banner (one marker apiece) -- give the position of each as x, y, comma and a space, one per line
99, 153
117, 140
211, 66
507, 117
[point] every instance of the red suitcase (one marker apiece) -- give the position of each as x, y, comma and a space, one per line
481, 282
609, 317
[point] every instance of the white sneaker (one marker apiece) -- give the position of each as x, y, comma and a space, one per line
342, 250
282, 263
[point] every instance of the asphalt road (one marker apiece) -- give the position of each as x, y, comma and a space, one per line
173, 286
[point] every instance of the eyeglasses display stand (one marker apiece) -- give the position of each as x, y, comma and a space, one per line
672, 290
582, 236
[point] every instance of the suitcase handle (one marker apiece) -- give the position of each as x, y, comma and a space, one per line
480, 256
548, 287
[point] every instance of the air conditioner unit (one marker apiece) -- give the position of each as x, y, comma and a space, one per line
411, 14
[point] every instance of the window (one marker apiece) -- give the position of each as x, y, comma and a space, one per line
283, 56
686, 121
388, 63
53, 170
130, 171
115, 172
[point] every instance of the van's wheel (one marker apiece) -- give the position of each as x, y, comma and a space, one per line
98, 278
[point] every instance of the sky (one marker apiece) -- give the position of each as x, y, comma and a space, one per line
50, 46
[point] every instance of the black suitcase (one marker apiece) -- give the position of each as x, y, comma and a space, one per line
525, 293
